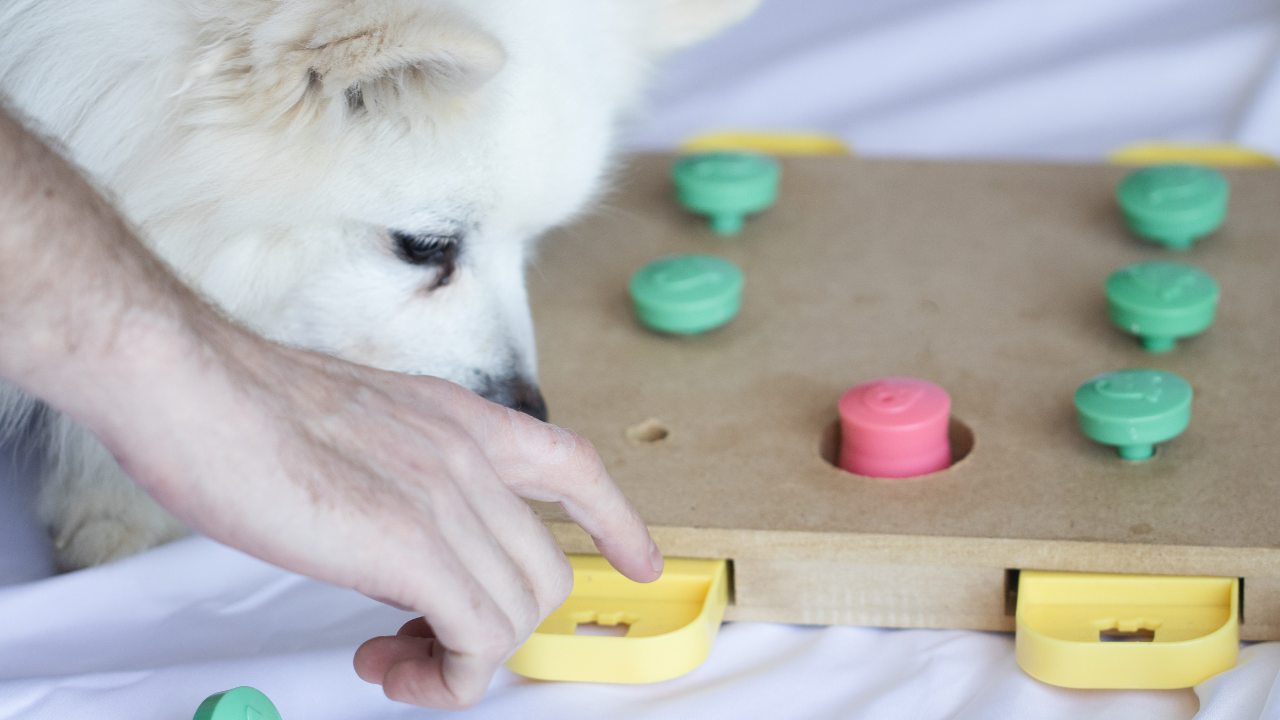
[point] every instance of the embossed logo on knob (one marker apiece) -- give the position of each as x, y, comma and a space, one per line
891, 397
1131, 386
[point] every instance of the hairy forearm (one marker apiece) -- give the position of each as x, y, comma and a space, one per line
86, 310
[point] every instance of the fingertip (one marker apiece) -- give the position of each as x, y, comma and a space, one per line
656, 560
375, 657
420, 671
369, 660
642, 567
423, 682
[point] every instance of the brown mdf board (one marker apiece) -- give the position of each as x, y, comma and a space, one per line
985, 278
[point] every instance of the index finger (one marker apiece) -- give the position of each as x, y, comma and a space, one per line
541, 461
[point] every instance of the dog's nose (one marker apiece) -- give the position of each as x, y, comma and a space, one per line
517, 393
529, 400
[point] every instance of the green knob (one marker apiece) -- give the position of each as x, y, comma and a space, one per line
1174, 204
687, 294
1161, 302
242, 703
726, 186
1134, 410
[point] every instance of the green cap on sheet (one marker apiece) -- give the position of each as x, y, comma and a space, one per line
242, 703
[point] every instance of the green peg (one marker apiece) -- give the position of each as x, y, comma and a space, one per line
687, 294
1174, 204
1161, 302
242, 703
1134, 410
726, 186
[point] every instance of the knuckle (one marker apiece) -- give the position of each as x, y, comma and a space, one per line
559, 585
494, 639
584, 449
548, 588
580, 458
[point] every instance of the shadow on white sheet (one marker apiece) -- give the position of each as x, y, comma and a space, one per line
26, 553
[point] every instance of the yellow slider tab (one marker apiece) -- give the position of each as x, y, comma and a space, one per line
670, 624
1085, 630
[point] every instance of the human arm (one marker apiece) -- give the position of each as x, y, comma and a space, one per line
405, 488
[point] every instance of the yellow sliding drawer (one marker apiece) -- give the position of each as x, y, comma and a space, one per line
670, 624
1085, 630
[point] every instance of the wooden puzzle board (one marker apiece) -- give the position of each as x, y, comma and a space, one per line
984, 278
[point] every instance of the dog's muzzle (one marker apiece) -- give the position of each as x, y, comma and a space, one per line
517, 393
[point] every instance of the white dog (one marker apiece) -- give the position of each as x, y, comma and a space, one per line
360, 177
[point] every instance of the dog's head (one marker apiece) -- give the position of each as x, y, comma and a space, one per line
365, 177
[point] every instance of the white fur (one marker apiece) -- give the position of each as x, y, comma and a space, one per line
266, 148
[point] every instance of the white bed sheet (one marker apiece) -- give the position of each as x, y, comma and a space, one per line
153, 635
983, 78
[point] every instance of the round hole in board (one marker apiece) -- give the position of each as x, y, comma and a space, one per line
959, 435
648, 432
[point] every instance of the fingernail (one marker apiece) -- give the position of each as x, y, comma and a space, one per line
655, 557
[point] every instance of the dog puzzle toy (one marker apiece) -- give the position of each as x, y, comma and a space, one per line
726, 186
242, 703
1174, 204
687, 294
1134, 409
1161, 302
895, 427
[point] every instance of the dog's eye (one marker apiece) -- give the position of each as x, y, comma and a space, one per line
440, 251
426, 249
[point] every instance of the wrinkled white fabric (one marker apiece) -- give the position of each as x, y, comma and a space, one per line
984, 78
151, 636
1246, 691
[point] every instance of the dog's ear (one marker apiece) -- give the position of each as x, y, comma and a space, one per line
448, 52
684, 22
359, 45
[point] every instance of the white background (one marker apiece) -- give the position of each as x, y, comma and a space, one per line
984, 78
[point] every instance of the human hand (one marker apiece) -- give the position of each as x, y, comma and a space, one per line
404, 488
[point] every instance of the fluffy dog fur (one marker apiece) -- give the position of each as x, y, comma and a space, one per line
359, 177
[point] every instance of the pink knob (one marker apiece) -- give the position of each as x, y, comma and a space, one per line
895, 427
